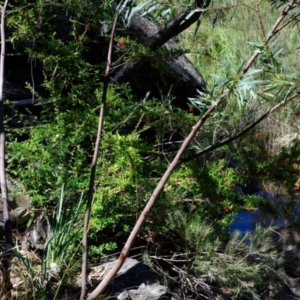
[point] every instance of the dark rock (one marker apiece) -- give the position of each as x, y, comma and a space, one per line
291, 256
134, 281
238, 189
253, 187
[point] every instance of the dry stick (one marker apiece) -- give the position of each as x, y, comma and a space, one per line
261, 25
147, 210
242, 133
4, 193
6, 259
295, 16
93, 168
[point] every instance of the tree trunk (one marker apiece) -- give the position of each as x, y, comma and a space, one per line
176, 76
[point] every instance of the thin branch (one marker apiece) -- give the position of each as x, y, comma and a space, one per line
245, 69
273, 32
32, 80
93, 168
242, 133
4, 193
294, 17
280, 19
261, 25
5, 265
171, 260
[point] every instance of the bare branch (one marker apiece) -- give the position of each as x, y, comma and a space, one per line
242, 133
93, 168
273, 32
4, 193
6, 257
148, 208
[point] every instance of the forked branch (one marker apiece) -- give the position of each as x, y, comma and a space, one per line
272, 33
243, 132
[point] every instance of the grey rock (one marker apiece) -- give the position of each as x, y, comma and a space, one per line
19, 216
265, 194
293, 284
276, 288
40, 233
22, 200
16, 197
11, 203
145, 292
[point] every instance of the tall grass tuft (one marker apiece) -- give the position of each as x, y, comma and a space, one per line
54, 273
237, 264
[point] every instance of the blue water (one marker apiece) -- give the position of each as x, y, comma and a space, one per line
248, 220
